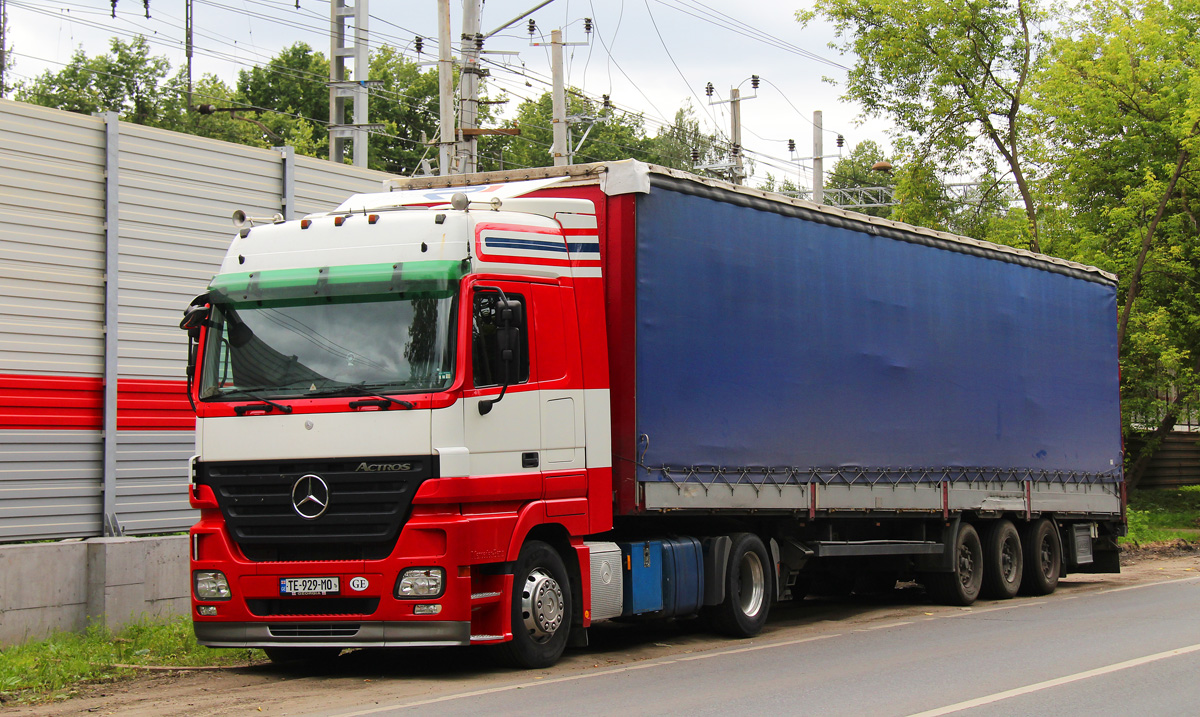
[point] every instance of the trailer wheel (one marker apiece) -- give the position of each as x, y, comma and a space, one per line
1003, 561
541, 609
1043, 558
301, 655
748, 589
960, 587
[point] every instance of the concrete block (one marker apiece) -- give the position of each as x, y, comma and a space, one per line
39, 574
46, 587
18, 626
124, 604
167, 575
124, 559
169, 607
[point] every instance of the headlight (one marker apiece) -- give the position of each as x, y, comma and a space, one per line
420, 582
211, 585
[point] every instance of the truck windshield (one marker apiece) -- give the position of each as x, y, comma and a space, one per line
290, 348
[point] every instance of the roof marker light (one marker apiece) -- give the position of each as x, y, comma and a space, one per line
338, 221
305, 223
372, 218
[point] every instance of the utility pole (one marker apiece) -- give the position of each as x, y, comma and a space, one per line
342, 88
472, 44
445, 89
734, 167
188, 20
559, 122
4, 43
818, 193
735, 133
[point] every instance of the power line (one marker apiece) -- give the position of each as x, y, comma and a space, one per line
727, 22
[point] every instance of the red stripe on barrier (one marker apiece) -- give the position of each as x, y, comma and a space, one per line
144, 405
31, 402
51, 402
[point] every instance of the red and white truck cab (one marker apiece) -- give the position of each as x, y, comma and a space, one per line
392, 399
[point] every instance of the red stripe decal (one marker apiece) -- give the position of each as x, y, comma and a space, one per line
30, 402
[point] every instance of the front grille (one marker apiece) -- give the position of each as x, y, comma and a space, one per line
276, 607
334, 629
363, 511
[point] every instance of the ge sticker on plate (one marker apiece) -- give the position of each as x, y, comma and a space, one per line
359, 584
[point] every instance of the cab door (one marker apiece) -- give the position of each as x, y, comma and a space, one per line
507, 438
560, 385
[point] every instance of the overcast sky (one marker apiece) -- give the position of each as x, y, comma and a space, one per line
648, 55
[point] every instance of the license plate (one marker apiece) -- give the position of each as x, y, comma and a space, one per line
308, 586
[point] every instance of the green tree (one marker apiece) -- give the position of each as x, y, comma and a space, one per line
673, 145
294, 82
243, 126
854, 171
1122, 87
127, 80
407, 105
617, 135
953, 74
6, 61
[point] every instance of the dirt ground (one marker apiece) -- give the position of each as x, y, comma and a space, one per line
366, 677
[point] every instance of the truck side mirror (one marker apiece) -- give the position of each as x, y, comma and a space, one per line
508, 318
195, 315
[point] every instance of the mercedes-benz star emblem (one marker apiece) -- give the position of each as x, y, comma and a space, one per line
310, 497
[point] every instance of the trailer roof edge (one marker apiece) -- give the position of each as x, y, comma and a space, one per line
639, 177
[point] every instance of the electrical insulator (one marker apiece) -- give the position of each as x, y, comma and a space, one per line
587, 25
420, 44
791, 145
735, 150
695, 156
607, 102
754, 81
479, 42
114, 6
841, 141
146, 4
708, 90
532, 26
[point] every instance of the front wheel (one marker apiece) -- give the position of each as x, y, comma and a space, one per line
541, 608
748, 589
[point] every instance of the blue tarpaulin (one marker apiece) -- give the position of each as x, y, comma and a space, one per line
766, 340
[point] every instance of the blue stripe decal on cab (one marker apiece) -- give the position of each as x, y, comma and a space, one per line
498, 243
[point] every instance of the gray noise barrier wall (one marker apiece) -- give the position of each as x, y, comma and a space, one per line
112, 224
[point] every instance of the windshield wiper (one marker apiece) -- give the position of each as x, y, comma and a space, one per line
361, 390
242, 410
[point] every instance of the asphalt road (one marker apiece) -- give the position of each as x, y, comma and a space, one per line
1128, 650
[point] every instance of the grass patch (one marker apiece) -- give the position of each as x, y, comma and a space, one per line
56, 667
1164, 514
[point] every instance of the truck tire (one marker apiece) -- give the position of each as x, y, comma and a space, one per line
541, 609
301, 655
1003, 561
1043, 558
749, 581
960, 587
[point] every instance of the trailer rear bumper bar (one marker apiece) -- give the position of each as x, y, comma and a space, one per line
333, 634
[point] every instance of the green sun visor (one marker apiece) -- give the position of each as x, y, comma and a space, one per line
425, 277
